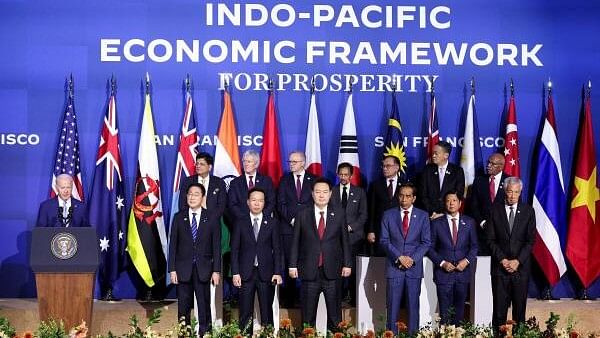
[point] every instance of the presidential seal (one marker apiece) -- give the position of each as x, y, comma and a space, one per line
63, 245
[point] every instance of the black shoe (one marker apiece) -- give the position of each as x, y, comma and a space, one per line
108, 297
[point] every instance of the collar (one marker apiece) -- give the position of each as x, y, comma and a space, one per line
409, 210
300, 173
259, 216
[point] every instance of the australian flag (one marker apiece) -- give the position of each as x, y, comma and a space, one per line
107, 201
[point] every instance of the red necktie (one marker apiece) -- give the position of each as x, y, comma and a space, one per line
492, 189
454, 232
251, 183
298, 187
390, 189
321, 231
405, 223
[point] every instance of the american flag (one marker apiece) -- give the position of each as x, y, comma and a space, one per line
67, 153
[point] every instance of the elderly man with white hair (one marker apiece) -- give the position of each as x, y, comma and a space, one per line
63, 210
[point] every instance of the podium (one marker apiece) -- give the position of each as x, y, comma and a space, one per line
64, 261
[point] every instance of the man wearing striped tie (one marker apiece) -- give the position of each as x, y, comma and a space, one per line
195, 257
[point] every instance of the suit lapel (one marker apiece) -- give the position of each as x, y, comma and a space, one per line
330, 221
263, 229
435, 172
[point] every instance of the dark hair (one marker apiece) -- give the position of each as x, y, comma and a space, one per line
256, 189
453, 192
409, 185
206, 156
396, 159
322, 180
197, 185
345, 165
446, 146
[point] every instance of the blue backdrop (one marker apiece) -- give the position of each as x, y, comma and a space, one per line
43, 42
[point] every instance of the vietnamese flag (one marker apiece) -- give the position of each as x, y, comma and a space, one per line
583, 247
270, 155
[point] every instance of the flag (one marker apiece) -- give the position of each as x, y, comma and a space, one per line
146, 237
270, 155
313, 143
470, 157
583, 247
433, 136
549, 202
186, 153
227, 155
394, 141
67, 152
349, 142
107, 200
512, 165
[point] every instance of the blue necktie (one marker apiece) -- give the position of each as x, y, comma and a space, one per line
194, 226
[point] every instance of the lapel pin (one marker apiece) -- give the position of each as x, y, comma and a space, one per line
447, 172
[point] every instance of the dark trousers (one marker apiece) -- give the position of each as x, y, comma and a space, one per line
266, 293
185, 301
396, 288
452, 297
507, 290
289, 292
310, 291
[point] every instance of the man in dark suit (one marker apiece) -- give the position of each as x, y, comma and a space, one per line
453, 251
383, 195
353, 200
405, 238
215, 200
510, 234
438, 178
320, 255
293, 195
486, 191
195, 256
239, 187
256, 260
63, 210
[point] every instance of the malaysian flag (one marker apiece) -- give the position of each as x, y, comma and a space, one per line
394, 140
67, 152
107, 211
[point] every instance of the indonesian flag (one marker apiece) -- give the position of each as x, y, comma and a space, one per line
227, 155
313, 143
549, 202
512, 166
270, 154
583, 247
349, 142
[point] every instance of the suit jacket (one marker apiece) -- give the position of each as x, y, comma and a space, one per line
515, 244
204, 253
288, 204
356, 211
416, 244
244, 248
238, 195
48, 214
379, 202
442, 248
306, 245
429, 192
216, 196
480, 203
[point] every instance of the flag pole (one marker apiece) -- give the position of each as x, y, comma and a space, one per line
472, 86
312, 85
113, 85
349, 86
71, 86
512, 88
147, 83
188, 84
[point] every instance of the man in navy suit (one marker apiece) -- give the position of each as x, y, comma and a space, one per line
353, 200
293, 195
405, 238
195, 256
438, 178
510, 233
63, 210
215, 199
256, 260
486, 191
320, 255
239, 187
453, 251
383, 195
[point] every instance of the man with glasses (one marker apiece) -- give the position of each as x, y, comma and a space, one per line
383, 195
486, 191
293, 195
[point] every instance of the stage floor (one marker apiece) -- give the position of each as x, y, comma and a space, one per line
114, 317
